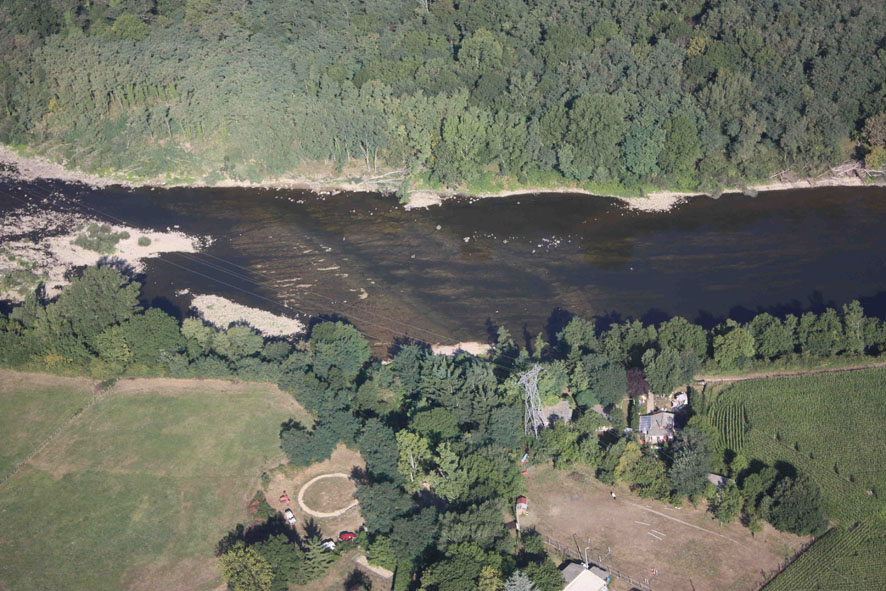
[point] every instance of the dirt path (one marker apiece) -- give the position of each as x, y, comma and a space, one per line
786, 374
309, 511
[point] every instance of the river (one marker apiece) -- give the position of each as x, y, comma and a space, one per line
453, 272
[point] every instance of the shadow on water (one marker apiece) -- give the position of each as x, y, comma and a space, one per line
457, 272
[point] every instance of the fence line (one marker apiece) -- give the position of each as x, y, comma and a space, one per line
42, 445
573, 553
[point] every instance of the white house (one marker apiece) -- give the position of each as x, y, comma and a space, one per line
578, 578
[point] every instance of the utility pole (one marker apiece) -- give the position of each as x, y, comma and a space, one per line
532, 417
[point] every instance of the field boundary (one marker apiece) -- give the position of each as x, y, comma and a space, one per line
574, 554
42, 445
701, 379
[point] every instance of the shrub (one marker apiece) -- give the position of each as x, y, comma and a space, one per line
144, 241
100, 238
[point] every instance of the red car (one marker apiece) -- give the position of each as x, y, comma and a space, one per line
346, 536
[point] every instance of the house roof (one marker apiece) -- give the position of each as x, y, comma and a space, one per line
578, 578
561, 410
657, 424
717, 480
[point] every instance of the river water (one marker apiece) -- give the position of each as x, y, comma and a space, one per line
449, 273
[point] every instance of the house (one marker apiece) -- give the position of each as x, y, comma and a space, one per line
522, 505
579, 578
657, 427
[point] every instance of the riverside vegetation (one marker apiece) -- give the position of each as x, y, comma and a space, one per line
442, 436
606, 94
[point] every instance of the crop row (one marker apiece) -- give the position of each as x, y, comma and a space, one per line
730, 419
830, 562
844, 501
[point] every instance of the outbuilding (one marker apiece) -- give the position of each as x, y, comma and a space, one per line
522, 505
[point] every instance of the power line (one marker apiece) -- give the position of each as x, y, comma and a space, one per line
305, 294
252, 293
262, 273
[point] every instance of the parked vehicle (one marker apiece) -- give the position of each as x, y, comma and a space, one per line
289, 517
346, 536
328, 544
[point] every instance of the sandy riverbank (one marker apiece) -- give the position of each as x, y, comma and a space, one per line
35, 167
38, 245
222, 313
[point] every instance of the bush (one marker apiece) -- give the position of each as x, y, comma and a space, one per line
100, 238
144, 241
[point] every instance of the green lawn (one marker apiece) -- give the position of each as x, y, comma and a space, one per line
137, 491
29, 415
826, 426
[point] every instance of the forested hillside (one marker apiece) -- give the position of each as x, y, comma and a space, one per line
633, 93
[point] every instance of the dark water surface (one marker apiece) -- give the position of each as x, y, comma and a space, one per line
509, 261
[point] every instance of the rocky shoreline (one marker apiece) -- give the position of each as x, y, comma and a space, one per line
35, 167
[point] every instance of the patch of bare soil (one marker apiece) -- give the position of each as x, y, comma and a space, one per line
686, 546
290, 480
329, 495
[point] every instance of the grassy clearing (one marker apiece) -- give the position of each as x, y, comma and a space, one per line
827, 426
136, 492
29, 414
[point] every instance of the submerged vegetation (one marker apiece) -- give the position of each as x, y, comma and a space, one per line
609, 94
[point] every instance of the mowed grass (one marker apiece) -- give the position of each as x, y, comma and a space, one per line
136, 492
30, 413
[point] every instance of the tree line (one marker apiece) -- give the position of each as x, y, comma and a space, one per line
442, 436
685, 93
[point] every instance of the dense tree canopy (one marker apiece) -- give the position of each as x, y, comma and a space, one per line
634, 93
443, 436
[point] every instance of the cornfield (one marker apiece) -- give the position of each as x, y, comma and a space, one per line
844, 558
827, 426
731, 421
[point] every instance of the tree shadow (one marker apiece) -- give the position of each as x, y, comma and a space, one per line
556, 322
400, 342
255, 533
312, 528
357, 581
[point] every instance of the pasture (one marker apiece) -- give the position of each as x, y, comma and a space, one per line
32, 407
136, 491
686, 546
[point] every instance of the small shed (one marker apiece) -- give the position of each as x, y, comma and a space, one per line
681, 399
522, 505
578, 578
561, 411
717, 480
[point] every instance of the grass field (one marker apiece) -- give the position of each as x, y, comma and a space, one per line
826, 426
32, 408
135, 492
